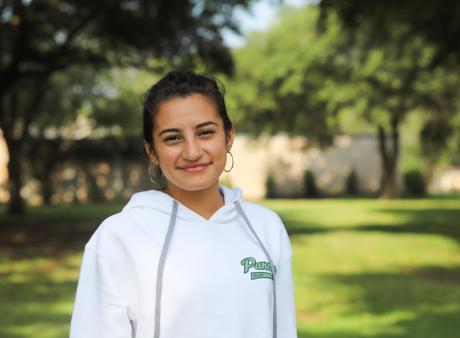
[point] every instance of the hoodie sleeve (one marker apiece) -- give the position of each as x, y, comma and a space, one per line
286, 311
100, 309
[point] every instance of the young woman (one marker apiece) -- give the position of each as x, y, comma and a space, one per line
191, 259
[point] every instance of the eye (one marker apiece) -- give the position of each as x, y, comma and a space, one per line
170, 138
207, 132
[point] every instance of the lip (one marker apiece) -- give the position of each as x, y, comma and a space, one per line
195, 167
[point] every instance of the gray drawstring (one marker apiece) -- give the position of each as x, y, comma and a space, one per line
161, 264
164, 250
240, 210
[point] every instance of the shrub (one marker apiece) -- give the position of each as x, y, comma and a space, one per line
414, 183
311, 191
351, 184
270, 186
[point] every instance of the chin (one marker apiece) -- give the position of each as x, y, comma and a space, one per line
198, 186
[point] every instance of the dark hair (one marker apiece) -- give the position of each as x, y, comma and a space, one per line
182, 84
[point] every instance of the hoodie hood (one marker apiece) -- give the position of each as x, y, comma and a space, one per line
162, 202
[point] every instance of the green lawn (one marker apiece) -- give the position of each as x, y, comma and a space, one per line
362, 268
366, 268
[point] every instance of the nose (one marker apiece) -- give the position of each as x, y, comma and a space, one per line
192, 150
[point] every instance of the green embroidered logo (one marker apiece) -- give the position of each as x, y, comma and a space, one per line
251, 263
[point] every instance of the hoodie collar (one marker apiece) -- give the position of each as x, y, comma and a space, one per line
162, 202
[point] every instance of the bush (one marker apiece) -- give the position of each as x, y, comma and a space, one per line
414, 183
351, 184
311, 191
270, 187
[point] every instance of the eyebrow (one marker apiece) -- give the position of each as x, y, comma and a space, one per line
196, 127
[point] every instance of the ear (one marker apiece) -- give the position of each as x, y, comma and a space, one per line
150, 153
230, 138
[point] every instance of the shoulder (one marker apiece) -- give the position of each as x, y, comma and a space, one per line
262, 213
109, 233
270, 225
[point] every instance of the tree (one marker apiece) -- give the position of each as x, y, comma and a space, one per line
80, 104
414, 44
286, 79
41, 38
386, 79
301, 80
442, 105
436, 21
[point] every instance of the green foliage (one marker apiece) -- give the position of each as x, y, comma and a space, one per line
290, 78
414, 183
55, 58
299, 80
109, 102
386, 77
48, 37
453, 156
310, 189
270, 186
399, 67
56, 53
351, 184
119, 99
435, 134
436, 21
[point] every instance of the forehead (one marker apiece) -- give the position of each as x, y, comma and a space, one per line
182, 112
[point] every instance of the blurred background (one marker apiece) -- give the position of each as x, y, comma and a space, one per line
347, 115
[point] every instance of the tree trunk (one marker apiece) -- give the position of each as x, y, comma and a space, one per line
388, 188
15, 179
47, 187
49, 153
15, 119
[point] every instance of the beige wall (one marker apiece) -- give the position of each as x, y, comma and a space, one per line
447, 181
289, 158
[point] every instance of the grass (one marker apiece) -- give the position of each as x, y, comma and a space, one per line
40, 258
362, 268
366, 268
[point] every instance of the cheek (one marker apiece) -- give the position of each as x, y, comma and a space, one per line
167, 155
218, 151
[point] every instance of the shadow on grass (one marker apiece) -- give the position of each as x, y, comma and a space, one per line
51, 231
44, 241
444, 222
435, 221
423, 302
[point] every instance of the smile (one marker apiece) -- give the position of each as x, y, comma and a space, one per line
195, 169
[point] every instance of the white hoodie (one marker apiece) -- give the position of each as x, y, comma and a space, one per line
199, 279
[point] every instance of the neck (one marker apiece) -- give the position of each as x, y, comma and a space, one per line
204, 202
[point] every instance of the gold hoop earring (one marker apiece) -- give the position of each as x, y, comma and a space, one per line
232, 162
150, 174
162, 177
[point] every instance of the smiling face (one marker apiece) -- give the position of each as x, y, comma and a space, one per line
188, 131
